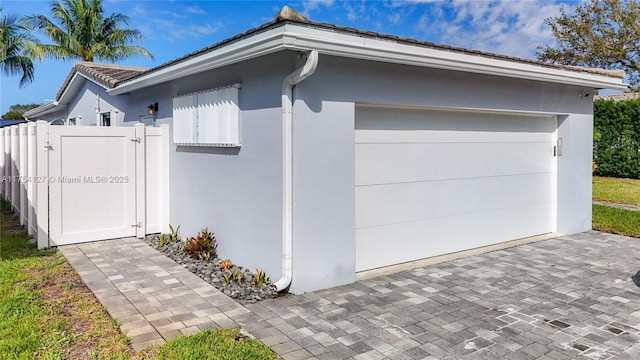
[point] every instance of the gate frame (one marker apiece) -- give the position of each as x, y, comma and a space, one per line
24, 169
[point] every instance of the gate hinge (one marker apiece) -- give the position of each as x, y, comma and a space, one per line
137, 225
136, 139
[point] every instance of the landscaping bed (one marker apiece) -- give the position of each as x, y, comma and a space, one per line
233, 280
46, 312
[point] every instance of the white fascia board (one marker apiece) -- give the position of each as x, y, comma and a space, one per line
55, 105
70, 92
303, 38
41, 110
252, 47
348, 45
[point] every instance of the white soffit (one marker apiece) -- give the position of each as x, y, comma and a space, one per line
299, 37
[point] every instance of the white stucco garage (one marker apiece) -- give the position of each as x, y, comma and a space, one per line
317, 152
432, 182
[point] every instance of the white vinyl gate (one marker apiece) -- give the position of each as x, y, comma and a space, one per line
78, 184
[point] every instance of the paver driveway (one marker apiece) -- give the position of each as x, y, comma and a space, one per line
571, 297
565, 298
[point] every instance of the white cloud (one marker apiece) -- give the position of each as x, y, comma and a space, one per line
310, 5
357, 10
195, 9
507, 27
173, 30
395, 18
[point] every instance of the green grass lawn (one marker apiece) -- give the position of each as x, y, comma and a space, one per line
614, 220
621, 191
219, 344
617, 221
47, 313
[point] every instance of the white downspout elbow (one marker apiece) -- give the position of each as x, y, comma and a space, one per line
287, 165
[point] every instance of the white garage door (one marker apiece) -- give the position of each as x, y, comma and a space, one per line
434, 182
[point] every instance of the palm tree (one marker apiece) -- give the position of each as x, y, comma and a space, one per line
14, 49
79, 30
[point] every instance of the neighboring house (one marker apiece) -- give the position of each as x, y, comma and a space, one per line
316, 152
6, 122
82, 98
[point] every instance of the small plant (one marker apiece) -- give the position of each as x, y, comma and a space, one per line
226, 265
164, 239
237, 277
174, 233
227, 277
202, 246
172, 237
260, 278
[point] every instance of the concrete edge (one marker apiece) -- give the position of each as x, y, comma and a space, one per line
368, 274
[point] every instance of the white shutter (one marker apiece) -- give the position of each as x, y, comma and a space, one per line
185, 119
208, 118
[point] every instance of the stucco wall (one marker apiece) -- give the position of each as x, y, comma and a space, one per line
324, 210
237, 193
84, 104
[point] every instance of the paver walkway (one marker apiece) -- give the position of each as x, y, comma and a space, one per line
566, 298
616, 205
153, 298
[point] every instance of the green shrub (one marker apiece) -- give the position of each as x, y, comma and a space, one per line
203, 246
260, 278
616, 138
172, 237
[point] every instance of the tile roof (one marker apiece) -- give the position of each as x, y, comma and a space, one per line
107, 75
289, 16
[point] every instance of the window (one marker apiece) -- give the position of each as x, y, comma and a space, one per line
105, 119
71, 122
207, 118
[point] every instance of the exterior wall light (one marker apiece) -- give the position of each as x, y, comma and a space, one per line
153, 109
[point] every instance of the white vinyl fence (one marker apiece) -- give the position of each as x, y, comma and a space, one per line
72, 184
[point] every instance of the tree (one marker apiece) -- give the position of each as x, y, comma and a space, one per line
16, 111
14, 49
601, 33
79, 30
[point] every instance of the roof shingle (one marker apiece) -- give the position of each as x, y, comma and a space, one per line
107, 75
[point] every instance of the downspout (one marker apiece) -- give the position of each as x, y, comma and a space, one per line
98, 122
287, 165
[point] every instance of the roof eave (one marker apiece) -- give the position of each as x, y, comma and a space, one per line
248, 48
41, 110
73, 85
297, 37
304, 38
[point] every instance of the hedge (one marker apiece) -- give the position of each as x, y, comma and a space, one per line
616, 138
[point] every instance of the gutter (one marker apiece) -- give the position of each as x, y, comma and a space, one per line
302, 38
252, 47
287, 161
42, 109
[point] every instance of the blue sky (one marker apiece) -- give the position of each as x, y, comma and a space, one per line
173, 28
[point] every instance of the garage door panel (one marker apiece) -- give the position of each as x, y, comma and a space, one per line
417, 201
394, 163
379, 125
429, 183
398, 243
